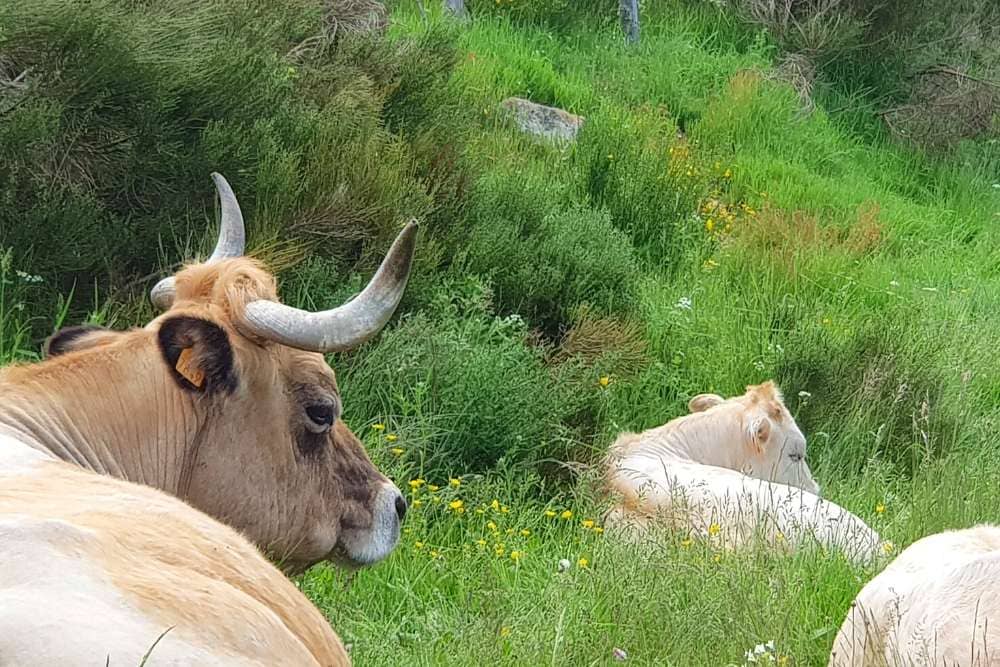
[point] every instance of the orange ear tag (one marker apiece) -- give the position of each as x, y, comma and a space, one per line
186, 367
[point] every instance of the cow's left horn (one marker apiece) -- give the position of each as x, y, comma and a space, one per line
346, 326
231, 243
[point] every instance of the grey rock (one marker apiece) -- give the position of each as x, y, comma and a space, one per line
543, 121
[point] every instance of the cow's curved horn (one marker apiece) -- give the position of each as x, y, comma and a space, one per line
346, 326
231, 243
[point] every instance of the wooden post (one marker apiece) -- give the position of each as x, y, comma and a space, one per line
457, 9
630, 20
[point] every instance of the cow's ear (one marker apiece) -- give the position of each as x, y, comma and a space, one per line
198, 353
758, 432
71, 339
703, 402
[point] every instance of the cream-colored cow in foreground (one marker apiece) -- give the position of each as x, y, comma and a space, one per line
96, 569
224, 401
936, 605
734, 470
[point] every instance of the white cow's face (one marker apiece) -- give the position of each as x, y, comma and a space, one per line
775, 449
779, 449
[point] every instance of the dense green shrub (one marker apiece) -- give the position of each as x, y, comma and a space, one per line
107, 141
543, 254
463, 389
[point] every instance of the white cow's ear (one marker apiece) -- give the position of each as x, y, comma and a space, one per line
703, 402
758, 433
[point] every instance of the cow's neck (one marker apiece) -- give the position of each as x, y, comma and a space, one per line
705, 439
112, 411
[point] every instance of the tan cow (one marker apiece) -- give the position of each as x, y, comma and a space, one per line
225, 401
936, 604
733, 470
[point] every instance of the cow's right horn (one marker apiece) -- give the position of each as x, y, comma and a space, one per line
231, 243
346, 326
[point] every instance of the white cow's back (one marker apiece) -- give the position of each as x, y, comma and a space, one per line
93, 568
694, 496
937, 603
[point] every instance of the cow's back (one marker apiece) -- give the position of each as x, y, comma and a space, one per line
731, 508
936, 603
92, 567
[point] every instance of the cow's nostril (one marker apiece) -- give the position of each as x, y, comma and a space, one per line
400, 507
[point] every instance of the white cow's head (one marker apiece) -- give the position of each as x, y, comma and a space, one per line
772, 448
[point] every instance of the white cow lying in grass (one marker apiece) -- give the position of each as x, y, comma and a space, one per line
732, 470
937, 603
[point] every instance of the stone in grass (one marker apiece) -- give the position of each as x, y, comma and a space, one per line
543, 121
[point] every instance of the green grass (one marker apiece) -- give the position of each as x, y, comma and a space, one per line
862, 277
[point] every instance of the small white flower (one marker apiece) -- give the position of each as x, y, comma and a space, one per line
894, 283
684, 303
804, 395
619, 654
929, 289
564, 564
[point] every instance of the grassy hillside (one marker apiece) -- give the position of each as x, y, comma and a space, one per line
562, 294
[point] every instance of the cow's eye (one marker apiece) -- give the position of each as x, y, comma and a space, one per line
797, 457
321, 417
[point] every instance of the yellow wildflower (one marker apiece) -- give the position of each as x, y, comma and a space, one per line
492, 526
417, 503
495, 505
604, 381
566, 515
588, 524
879, 508
433, 487
454, 482
780, 536
714, 529
710, 224
525, 532
686, 542
436, 499
416, 483
456, 504
727, 174
510, 531
391, 437
583, 563
480, 543
717, 558
480, 510
499, 550
782, 661
598, 530
398, 451
503, 509
435, 553
888, 547
549, 513
504, 631
515, 556
378, 427
418, 545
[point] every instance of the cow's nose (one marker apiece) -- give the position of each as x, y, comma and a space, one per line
400, 507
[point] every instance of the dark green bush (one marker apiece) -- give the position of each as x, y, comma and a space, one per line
464, 389
107, 142
543, 254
